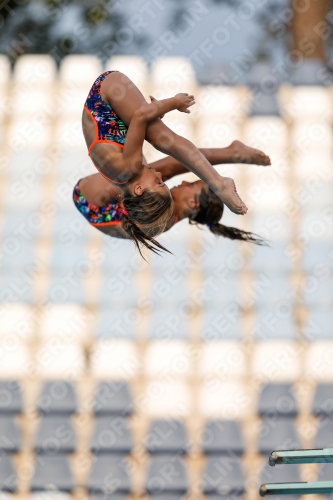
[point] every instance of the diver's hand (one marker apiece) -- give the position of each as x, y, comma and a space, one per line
183, 102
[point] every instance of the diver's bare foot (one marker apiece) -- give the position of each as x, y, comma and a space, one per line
244, 154
228, 194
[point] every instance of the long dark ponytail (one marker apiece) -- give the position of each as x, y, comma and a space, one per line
210, 213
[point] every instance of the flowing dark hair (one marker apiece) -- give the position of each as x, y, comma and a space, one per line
144, 217
210, 213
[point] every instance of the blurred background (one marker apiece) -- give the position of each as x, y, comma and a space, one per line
173, 377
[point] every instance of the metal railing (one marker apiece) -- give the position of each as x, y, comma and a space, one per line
299, 457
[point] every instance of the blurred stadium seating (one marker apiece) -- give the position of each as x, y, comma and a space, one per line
175, 376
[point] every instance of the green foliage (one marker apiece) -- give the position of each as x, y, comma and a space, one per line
59, 27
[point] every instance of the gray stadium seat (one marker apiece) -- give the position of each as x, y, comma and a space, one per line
103, 496
324, 435
272, 224
270, 260
222, 436
223, 323
178, 250
317, 293
22, 255
79, 161
114, 287
55, 435
322, 403
69, 258
70, 228
283, 497
57, 397
10, 397
220, 290
289, 473
169, 496
118, 321
325, 472
13, 288
215, 71
174, 261
166, 436
309, 219
52, 473
270, 289
223, 475
22, 162
277, 434
129, 258
112, 398
277, 400
225, 258
317, 254
269, 326
10, 438
8, 481
108, 475
318, 325
111, 435
171, 273
172, 293
232, 496
310, 72
20, 225
264, 105
260, 74
166, 475
30, 200
65, 288
167, 323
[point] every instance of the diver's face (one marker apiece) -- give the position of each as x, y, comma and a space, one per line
187, 195
151, 180
191, 189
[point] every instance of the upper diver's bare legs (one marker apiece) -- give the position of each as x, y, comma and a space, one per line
237, 152
125, 98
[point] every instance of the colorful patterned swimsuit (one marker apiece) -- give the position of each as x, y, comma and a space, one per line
107, 215
108, 126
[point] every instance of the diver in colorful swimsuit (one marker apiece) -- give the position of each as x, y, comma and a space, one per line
115, 103
98, 200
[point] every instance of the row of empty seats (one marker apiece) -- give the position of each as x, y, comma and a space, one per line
223, 261
70, 232
166, 440
59, 397
166, 475
167, 443
310, 99
55, 435
222, 474
114, 398
169, 360
67, 290
220, 318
